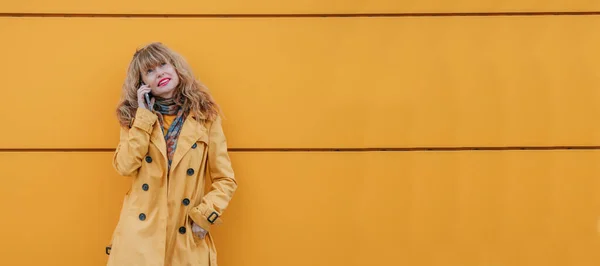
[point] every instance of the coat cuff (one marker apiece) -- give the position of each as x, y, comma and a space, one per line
144, 120
205, 217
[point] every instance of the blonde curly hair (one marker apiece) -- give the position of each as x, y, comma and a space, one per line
192, 95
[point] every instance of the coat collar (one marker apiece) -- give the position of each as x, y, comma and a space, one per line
191, 132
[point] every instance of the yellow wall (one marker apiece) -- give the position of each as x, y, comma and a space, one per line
320, 82
371, 82
293, 7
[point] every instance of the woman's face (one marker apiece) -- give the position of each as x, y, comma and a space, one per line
162, 80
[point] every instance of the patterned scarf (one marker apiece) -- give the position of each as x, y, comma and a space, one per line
169, 107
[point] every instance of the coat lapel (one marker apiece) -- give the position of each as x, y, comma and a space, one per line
159, 140
191, 132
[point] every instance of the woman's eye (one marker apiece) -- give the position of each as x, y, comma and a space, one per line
163, 64
149, 71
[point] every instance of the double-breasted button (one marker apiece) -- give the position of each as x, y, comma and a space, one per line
182, 230
148, 159
142, 217
190, 171
145, 187
186, 201
195, 145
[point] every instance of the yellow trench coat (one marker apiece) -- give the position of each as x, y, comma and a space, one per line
155, 224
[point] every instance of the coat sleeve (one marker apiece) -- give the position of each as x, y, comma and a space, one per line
223, 186
133, 144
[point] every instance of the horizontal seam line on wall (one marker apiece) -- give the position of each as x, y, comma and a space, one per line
499, 148
415, 14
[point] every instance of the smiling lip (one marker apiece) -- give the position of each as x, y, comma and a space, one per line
163, 82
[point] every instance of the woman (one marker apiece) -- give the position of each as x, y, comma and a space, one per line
169, 145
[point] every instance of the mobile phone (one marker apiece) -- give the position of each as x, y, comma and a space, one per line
146, 95
147, 99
